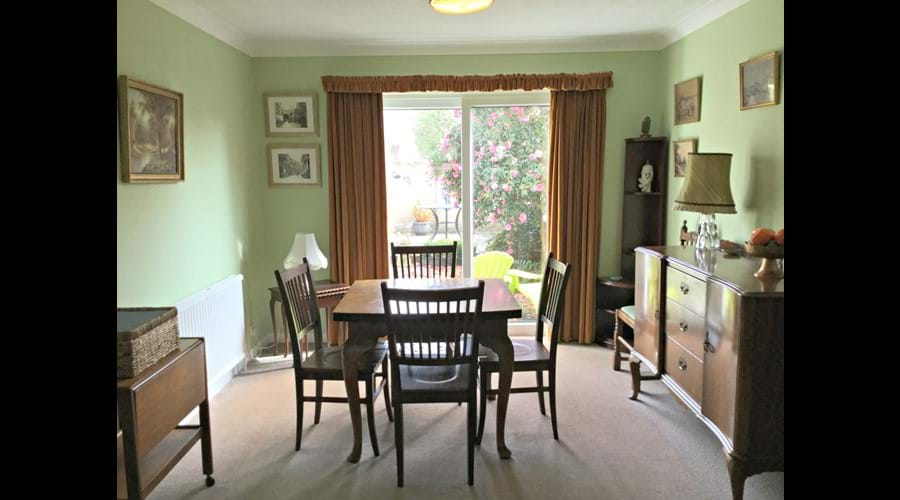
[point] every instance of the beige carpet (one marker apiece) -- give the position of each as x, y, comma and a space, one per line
609, 447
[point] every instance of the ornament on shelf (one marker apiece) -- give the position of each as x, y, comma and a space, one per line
645, 127
646, 179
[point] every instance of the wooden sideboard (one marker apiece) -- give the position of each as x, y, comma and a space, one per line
714, 335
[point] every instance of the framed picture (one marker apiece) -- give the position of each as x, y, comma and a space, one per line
687, 101
759, 81
291, 114
151, 132
294, 165
680, 150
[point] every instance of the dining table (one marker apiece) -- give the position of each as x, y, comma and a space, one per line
363, 310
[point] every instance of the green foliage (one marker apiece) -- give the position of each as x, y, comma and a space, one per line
509, 153
447, 242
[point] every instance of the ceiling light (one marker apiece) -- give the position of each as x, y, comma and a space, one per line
460, 6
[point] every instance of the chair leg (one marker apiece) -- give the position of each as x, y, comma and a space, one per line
298, 383
370, 412
485, 376
553, 402
470, 437
490, 397
387, 390
635, 365
398, 437
540, 384
319, 383
617, 349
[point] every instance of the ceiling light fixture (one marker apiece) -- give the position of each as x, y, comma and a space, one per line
460, 6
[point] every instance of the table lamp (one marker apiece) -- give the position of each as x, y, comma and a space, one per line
707, 190
305, 246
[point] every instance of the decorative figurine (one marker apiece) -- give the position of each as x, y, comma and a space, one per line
646, 178
685, 236
645, 127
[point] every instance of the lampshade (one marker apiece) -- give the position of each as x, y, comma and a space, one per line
707, 184
305, 246
460, 6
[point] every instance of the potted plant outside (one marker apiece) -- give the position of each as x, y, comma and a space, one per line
423, 218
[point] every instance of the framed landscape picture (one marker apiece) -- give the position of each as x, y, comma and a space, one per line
759, 81
290, 114
151, 132
294, 165
687, 101
680, 150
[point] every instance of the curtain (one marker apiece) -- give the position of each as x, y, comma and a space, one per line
357, 192
575, 186
467, 83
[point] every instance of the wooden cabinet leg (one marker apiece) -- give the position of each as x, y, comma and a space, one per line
635, 365
738, 474
206, 443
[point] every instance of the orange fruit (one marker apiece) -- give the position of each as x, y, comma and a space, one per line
779, 237
761, 236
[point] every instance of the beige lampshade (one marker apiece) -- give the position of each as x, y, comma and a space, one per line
707, 184
305, 246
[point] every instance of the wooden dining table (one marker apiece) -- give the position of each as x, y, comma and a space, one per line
362, 308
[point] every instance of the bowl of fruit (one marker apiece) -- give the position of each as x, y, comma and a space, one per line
769, 245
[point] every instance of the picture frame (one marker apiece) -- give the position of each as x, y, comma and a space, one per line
291, 114
687, 101
294, 165
680, 150
760, 84
151, 132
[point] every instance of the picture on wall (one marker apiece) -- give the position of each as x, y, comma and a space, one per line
759, 81
294, 165
151, 132
687, 101
680, 150
290, 114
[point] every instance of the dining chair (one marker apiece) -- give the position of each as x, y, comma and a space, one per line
533, 355
424, 261
434, 334
325, 362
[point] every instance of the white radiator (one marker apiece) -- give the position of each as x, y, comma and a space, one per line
217, 314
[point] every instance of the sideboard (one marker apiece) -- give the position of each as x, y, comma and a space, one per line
714, 335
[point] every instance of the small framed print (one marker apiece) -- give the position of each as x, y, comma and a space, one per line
680, 150
687, 101
291, 114
759, 81
151, 132
294, 165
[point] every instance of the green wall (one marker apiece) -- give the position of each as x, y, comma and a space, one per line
755, 137
287, 211
175, 239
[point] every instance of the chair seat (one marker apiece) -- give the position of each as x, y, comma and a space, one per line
329, 362
434, 383
629, 311
527, 352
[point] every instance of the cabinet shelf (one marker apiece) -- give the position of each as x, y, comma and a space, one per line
643, 214
158, 462
638, 193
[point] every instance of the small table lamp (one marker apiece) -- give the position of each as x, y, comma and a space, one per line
707, 189
305, 246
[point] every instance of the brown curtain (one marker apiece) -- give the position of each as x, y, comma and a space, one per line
575, 185
467, 83
356, 188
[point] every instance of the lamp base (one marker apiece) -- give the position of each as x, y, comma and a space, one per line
708, 237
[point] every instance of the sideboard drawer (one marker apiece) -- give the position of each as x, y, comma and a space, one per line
687, 290
685, 368
685, 327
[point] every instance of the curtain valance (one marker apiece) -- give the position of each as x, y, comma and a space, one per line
468, 83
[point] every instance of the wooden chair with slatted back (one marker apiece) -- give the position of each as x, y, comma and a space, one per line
434, 335
424, 261
532, 355
325, 363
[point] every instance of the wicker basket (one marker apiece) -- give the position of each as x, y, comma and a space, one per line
144, 336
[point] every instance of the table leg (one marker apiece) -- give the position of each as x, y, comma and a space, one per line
358, 342
446, 224
437, 223
206, 443
274, 326
499, 342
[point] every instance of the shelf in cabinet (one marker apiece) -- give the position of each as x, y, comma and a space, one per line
639, 193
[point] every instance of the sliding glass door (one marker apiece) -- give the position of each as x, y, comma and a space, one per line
472, 168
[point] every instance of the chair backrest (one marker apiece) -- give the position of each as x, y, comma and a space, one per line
491, 265
433, 327
302, 308
424, 261
553, 296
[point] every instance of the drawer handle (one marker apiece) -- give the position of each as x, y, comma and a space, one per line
707, 347
682, 325
682, 364
685, 288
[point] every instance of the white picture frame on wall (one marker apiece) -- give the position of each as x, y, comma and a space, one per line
291, 114
294, 165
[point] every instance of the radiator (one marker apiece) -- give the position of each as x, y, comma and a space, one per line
216, 313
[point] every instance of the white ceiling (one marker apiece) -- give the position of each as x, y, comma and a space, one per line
272, 28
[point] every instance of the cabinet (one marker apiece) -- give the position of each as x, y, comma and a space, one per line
150, 409
716, 335
643, 214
